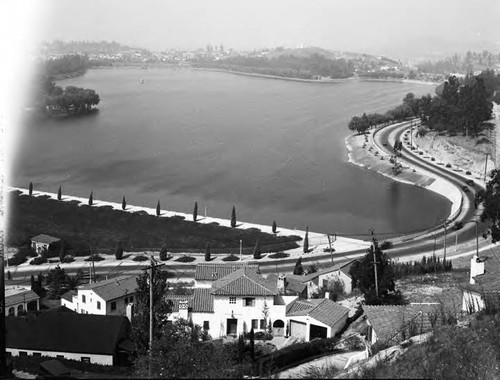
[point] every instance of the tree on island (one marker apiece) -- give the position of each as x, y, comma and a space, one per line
59, 194
158, 209
195, 211
163, 252
274, 227
124, 203
207, 252
298, 269
119, 251
257, 254
30, 189
306, 240
233, 217
91, 198
363, 275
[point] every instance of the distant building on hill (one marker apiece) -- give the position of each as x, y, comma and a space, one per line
42, 242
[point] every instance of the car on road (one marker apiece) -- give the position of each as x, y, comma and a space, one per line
465, 189
469, 182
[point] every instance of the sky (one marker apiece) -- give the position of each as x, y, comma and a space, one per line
398, 28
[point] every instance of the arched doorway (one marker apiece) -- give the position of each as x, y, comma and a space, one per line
278, 328
12, 311
20, 310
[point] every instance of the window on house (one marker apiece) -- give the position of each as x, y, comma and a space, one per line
85, 359
113, 305
37, 354
23, 353
98, 305
232, 299
262, 324
249, 301
83, 298
206, 325
255, 324
131, 299
126, 300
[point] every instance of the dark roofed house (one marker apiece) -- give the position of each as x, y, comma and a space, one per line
392, 324
288, 286
315, 318
207, 273
108, 297
88, 338
483, 289
42, 242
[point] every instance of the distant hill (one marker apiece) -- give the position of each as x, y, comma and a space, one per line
304, 53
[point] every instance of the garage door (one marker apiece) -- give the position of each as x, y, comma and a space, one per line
298, 329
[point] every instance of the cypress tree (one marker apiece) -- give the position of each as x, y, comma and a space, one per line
119, 251
252, 345
124, 203
9, 275
158, 209
195, 211
299, 270
32, 282
30, 189
207, 252
306, 240
256, 250
91, 198
233, 217
274, 226
163, 252
59, 194
62, 251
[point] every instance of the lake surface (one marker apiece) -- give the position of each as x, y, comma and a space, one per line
273, 148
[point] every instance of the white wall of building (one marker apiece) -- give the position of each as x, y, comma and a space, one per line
336, 275
472, 301
94, 358
94, 304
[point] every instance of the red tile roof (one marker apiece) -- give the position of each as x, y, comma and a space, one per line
389, 321
212, 272
322, 309
243, 282
113, 288
201, 301
16, 296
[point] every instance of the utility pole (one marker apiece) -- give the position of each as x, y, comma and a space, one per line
154, 264
444, 247
330, 244
241, 249
411, 133
375, 245
456, 241
477, 239
485, 165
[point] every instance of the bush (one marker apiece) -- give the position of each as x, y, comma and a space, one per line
185, 259
38, 260
260, 335
231, 257
448, 165
468, 172
458, 226
386, 245
328, 250
96, 256
67, 259
20, 257
433, 159
140, 258
279, 255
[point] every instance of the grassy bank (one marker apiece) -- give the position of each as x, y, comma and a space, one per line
78, 224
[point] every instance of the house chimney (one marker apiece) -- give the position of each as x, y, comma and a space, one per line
281, 284
183, 309
129, 311
476, 268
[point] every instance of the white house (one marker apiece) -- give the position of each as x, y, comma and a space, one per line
42, 242
108, 297
235, 303
316, 318
19, 300
483, 288
88, 338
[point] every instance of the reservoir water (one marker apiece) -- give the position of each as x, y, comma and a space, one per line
273, 148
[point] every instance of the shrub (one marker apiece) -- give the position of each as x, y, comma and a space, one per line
386, 245
279, 255
433, 159
458, 226
96, 257
140, 258
164, 253
20, 257
38, 260
328, 250
67, 259
185, 259
231, 257
448, 165
468, 172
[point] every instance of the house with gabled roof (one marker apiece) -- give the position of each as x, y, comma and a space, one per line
483, 288
96, 339
315, 281
206, 273
107, 297
315, 318
19, 299
392, 324
42, 242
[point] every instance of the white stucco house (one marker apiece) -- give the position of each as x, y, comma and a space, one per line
88, 338
108, 297
42, 242
483, 288
19, 299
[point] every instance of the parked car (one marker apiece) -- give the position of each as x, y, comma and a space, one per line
465, 189
469, 182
